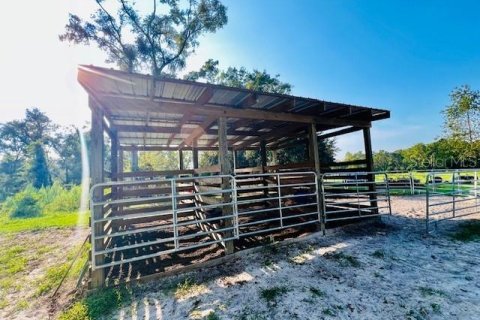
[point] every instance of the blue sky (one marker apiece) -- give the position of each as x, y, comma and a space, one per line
405, 56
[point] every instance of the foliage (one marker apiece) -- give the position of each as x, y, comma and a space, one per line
159, 40
271, 294
12, 260
34, 150
239, 78
99, 304
23, 205
48, 200
462, 116
68, 147
162, 160
469, 231
37, 167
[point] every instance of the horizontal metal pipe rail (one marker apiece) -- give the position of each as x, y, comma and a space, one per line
444, 199
173, 237
276, 190
340, 206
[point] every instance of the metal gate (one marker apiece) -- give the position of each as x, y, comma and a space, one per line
137, 220
355, 195
450, 194
274, 201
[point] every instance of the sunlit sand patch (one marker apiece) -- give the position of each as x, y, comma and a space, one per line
234, 280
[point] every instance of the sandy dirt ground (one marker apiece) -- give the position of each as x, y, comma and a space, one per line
386, 270
43, 250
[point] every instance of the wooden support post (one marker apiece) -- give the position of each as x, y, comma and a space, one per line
234, 153
195, 158
263, 153
263, 163
114, 156
274, 157
114, 166
316, 159
371, 177
134, 162
96, 172
121, 154
180, 160
225, 168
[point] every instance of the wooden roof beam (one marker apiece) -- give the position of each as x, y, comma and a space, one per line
177, 130
286, 129
197, 132
180, 106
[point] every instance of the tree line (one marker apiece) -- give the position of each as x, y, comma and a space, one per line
457, 148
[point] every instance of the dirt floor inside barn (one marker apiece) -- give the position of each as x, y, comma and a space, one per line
387, 270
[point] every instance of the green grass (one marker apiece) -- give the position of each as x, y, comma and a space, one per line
49, 220
343, 259
316, 292
187, 288
428, 291
12, 261
212, 316
379, 254
271, 294
469, 231
98, 305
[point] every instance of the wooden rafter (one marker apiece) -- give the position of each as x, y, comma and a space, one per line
204, 97
275, 132
197, 132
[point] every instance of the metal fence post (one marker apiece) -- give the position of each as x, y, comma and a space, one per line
427, 205
174, 212
279, 200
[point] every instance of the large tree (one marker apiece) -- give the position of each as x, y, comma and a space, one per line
239, 78
462, 116
68, 148
157, 41
23, 145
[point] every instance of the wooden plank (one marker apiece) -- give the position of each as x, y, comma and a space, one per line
195, 158
339, 132
210, 169
198, 131
315, 156
176, 130
96, 174
369, 159
136, 174
225, 168
181, 106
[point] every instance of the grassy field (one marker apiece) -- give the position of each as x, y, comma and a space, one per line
44, 221
35, 254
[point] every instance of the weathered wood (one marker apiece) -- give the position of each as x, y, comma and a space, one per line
210, 169
195, 158
263, 153
96, 173
225, 168
134, 160
157, 128
166, 148
149, 174
198, 132
180, 160
338, 132
315, 156
369, 166
181, 106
